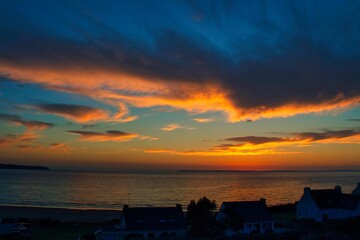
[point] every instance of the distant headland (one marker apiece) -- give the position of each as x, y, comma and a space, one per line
23, 167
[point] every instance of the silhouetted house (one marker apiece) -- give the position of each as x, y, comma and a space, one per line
246, 217
324, 204
147, 222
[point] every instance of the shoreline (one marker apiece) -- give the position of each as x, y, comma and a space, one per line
83, 215
60, 214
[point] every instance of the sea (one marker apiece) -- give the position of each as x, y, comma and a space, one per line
111, 190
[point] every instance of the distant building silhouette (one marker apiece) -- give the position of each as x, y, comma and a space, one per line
324, 204
147, 222
246, 217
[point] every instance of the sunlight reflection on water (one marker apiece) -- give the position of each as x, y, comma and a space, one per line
112, 190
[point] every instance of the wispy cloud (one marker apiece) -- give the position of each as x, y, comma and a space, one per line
325, 136
84, 114
11, 139
31, 125
55, 147
60, 147
111, 135
149, 138
204, 120
125, 119
76, 113
29, 147
28, 137
171, 127
174, 126
260, 145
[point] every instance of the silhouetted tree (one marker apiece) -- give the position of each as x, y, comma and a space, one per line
201, 215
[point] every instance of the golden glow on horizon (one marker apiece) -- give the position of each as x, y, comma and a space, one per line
261, 149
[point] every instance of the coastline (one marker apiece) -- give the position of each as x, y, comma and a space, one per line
60, 214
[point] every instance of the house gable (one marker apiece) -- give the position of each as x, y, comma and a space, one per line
323, 204
154, 218
307, 207
246, 216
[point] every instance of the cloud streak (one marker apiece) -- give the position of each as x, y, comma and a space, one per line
11, 139
30, 125
203, 120
112, 135
260, 145
76, 113
171, 127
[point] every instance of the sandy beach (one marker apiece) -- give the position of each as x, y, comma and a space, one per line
61, 214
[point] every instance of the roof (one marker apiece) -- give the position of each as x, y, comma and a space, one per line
249, 211
154, 218
334, 199
356, 191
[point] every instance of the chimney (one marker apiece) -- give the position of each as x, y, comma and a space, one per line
306, 191
179, 207
338, 189
263, 200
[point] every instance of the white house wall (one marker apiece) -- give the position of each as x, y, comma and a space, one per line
306, 208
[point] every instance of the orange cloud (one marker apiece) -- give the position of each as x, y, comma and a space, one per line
149, 138
253, 145
55, 147
203, 120
30, 125
10, 139
174, 126
76, 113
60, 147
171, 127
338, 103
116, 136
121, 89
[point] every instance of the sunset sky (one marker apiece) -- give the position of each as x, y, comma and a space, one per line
180, 84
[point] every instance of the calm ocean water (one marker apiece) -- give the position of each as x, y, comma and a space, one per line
111, 190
